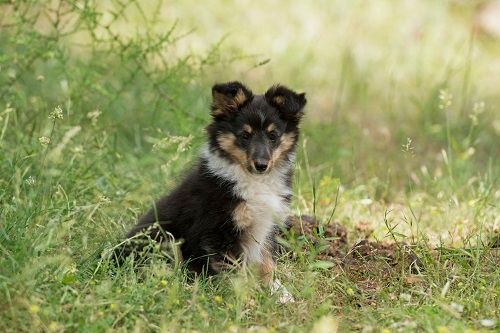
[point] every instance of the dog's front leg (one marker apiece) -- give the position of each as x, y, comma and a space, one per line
267, 266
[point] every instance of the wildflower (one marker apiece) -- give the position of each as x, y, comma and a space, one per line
44, 141
30, 181
34, 309
350, 291
103, 199
442, 329
163, 283
407, 147
218, 299
113, 306
72, 268
445, 98
57, 113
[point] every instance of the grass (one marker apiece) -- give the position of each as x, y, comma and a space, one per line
102, 107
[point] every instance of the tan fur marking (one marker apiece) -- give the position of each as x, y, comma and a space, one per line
280, 100
247, 128
270, 128
287, 141
217, 112
226, 142
240, 97
242, 217
224, 104
267, 267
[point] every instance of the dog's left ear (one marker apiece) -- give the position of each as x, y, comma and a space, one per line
227, 98
289, 103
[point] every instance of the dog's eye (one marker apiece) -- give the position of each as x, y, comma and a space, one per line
245, 135
273, 136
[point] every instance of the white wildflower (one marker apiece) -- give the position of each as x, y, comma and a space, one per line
30, 181
445, 99
57, 113
44, 141
407, 147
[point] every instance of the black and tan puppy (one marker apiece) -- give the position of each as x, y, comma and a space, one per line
226, 209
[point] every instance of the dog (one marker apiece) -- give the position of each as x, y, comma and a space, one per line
228, 207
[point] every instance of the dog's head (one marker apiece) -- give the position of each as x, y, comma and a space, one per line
255, 131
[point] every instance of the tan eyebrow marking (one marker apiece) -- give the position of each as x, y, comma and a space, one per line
280, 100
247, 128
270, 128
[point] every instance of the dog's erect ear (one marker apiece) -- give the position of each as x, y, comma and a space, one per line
227, 98
289, 103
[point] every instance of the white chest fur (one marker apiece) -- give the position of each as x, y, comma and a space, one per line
263, 205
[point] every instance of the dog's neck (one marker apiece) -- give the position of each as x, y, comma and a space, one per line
233, 172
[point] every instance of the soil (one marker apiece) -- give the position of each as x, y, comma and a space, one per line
368, 263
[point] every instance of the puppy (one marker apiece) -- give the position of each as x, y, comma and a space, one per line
227, 208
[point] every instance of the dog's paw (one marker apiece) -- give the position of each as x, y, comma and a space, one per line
284, 295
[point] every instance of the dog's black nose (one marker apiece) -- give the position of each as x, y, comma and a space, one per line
261, 165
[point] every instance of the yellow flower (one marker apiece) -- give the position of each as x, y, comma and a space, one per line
218, 299
113, 306
350, 292
163, 283
442, 329
34, 308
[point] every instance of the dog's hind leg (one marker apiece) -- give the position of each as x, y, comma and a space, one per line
141, 241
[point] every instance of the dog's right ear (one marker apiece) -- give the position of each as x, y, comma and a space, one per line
227, 98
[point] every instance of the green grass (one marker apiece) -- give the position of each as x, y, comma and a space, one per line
397, 146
